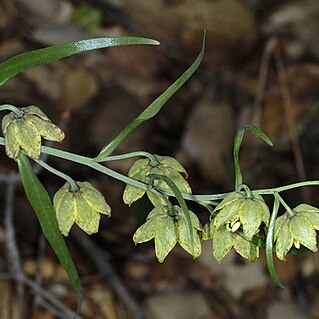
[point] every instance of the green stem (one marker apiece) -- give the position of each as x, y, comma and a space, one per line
289, 210
248, 192
90, 162
72, 183
8, 107
151, 157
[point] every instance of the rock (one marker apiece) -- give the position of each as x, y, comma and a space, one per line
296, 24
58, 11
230, 25
177, 305
77, 89
209, 136
285, 310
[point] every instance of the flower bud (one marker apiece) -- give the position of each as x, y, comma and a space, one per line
82, 207
25, 132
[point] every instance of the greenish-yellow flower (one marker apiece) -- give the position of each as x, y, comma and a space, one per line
82, 207
168, 228
239, 210
143, 168
297, 229
25, 132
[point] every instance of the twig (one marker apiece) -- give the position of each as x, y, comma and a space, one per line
288, 106
38, 276
12, 248
39, 291
101, 260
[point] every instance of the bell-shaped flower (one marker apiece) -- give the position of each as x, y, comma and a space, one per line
226, 238
82, 207
143, 168
169, 227
295, 229
25, 132
237, 210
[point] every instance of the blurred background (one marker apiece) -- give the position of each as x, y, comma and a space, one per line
261, 67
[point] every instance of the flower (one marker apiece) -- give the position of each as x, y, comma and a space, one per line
239, 210
168, 228
82, 207
25, 132
298, 228
142, 168
225, 238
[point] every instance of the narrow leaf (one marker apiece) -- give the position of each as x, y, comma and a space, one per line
32, 59
270, 243
42, 205
182, 204
237, 143
152, 109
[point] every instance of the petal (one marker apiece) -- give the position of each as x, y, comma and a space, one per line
60, 193
146, 232
313, 218
305, 208
284, 240
34, 110
250, 213
7, 119
94, 198
190, 243
132, 194
227, 214
279, 222
172, 163
47, 129
177, 178
139, 166
86, 217
194, 219
155, 200
222, 243
208, 231
65, 212
245, 248
165, 238
229, 199
303, 231
158, 211
11, 142
29, 138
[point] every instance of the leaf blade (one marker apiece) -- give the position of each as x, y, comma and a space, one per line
42, 205
152, 109
270, 244
32, 59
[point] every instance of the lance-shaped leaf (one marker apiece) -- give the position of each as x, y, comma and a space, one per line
32, 59
270, 244
237, 143
42, 205
152, 109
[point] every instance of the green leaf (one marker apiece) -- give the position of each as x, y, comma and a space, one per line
152, 109
42, 205
270, 243
35, 58
237, 143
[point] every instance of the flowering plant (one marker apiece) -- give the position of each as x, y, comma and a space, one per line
239, 219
